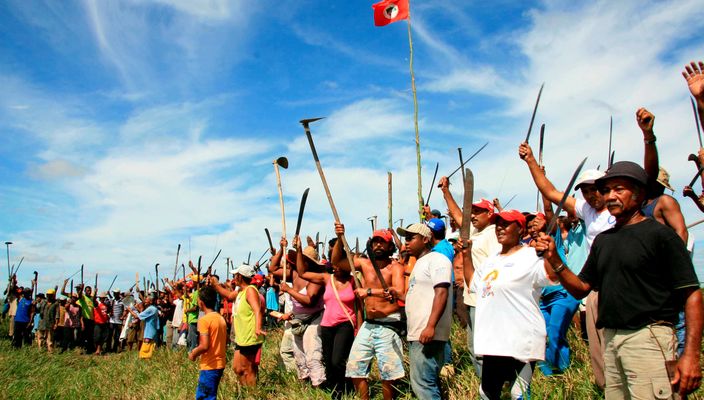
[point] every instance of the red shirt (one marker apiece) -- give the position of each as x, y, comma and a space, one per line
100, 313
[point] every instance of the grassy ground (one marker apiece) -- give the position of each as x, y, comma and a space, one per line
31, 374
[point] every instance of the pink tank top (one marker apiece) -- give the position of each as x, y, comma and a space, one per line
334, 314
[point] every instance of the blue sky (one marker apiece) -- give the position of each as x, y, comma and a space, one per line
129, 127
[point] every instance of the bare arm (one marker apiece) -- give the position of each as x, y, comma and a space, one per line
222, 291
439, 303
253, 300
694, 75
338, 257
302, 265
541, 181
63, 289
698, 201
671, 213
203, 346
453, 208
688, 373
645, 121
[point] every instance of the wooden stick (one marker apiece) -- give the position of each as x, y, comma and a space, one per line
283, 216
391, 218
415, 117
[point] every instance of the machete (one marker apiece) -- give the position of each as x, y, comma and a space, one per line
468, 160
611, 131
459, 150
268, 237
699, 172
178, 250
377, 270
696, 122
430, 192
532, 118
540, 146
467, 207
301, 209
560, 205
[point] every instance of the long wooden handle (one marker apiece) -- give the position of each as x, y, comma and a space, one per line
283, 216
350, 260
391, 218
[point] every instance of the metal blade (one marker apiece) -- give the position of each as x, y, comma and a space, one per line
459, 151
697, 122
566, 194
509, 201
300, 211
699, 173
372, 258
540, 147
435, 175
611, 131
611, 160
467, 206
468, 160
268, 237
532, 118
282, 162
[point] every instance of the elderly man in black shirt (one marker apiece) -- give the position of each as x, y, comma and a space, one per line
645, 277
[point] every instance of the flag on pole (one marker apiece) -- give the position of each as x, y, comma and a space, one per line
388, 11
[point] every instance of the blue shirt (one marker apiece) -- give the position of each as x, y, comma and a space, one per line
445, 248
24, 307
151, 321
272, 301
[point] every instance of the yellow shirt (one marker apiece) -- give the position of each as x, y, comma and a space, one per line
213, 325
244, 320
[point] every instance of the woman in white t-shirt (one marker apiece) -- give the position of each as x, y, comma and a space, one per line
510, 329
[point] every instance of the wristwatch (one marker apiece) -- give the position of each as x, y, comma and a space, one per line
369, 292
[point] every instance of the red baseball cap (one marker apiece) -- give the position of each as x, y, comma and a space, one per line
383, 234
510, 216
484, 204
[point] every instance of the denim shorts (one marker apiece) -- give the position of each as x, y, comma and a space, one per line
382, 342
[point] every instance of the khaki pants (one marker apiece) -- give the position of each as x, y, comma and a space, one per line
45, 335
12, 326
596, 339
286, 350
635, 364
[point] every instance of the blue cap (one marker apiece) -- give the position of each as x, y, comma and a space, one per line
436, 225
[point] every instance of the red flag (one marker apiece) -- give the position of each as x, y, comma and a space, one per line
388, 11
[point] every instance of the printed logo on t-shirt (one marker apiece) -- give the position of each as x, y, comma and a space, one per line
490, 277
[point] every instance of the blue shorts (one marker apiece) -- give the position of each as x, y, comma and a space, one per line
208, 382
382, 342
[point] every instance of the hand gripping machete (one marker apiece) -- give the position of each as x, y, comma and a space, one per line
565, 195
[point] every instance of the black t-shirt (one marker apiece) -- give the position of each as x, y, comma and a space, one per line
638, 270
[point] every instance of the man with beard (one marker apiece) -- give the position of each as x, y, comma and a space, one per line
592, 210
381, 332
644, 276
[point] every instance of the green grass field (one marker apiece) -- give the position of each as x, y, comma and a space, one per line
31, 374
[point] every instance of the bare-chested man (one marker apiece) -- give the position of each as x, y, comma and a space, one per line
381, 332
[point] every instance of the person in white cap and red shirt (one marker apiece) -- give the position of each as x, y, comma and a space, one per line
592, 210
645, 277
428, 322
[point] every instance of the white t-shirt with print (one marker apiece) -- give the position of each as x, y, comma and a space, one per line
484, 244
508, 317
429, 271
595, 221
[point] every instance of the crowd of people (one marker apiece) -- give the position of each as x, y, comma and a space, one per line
617, 265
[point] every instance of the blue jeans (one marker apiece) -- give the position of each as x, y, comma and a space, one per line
425, 363
679, 331
208, 382
192, 338
558, 308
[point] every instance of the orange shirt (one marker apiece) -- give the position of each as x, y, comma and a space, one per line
213, 325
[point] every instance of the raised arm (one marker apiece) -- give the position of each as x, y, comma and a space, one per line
63, 289
645, 120
453, 209
221, 289
302, 265
338, 257
541, 181
694, 75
